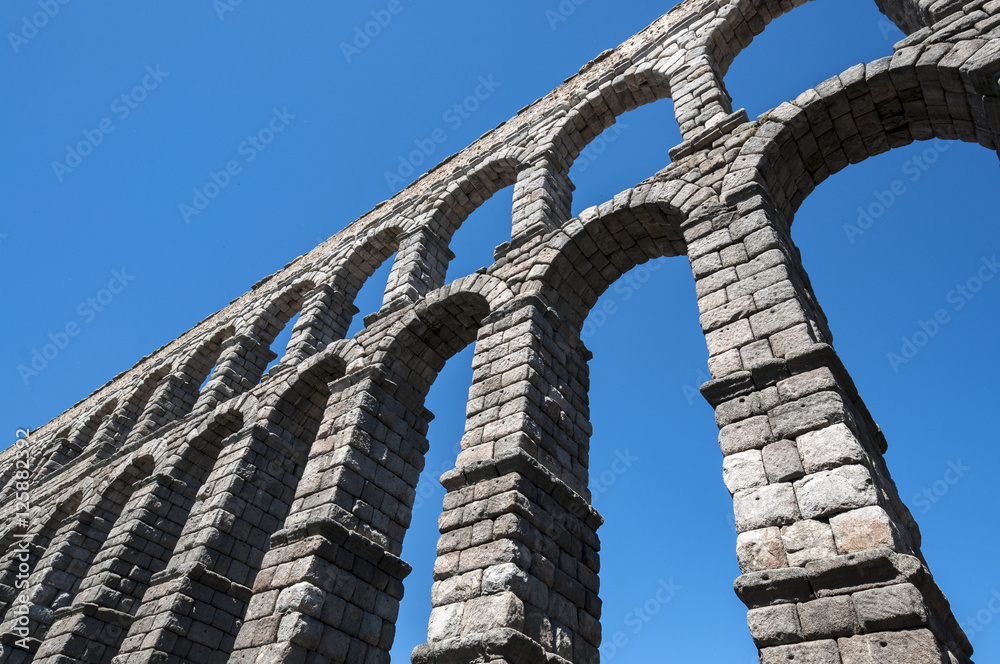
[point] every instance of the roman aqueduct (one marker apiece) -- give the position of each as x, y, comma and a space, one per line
260, 517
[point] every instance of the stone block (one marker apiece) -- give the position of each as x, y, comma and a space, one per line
864, 528
828, 617
445, 622
743, 470
918, 646
760, 549
891, 607
482, 614
782, 462
302, 597
815, 411
832, 491
748, 434
829, 447
772, 505
816, 652
805, 541
774, 625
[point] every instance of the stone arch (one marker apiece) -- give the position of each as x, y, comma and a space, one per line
579, 125
139, 547
605, 242
96, 426
21, 551
59, 572
365, 253
476, 184
248, 492
197, 366
737, 24
134, 410
358, 489
439, 326
914, 15
939, 91
277, 311
597, 111
424, 253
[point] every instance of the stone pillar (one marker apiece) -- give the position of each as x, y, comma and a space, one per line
331, 584
832, 570
238, 369
700, 97
66, 562
516, 574
59, 453
173, 399
543, 198
194, 607
420, 267
92, 628
26, 549
325, 318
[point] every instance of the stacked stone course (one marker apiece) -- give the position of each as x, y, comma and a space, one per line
196, 509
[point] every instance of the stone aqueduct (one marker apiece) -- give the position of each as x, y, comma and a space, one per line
260, 518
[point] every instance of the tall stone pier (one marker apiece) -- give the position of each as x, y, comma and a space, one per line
260, 517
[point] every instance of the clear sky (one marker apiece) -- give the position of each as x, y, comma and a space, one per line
198, 80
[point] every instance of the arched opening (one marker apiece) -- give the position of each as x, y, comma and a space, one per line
654, 476
477, 238
135, 417
280, 344
447, 400
628, 152
198, 371
67, 560
370, 295
361, 480
363, 278
796, 51
894, 246
20, 549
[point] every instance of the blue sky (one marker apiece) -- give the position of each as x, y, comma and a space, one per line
198, 84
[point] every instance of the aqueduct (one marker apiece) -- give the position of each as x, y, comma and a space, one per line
198, 509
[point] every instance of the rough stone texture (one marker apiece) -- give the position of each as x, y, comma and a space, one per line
201, 507
817, 652
807, 540
760, 549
